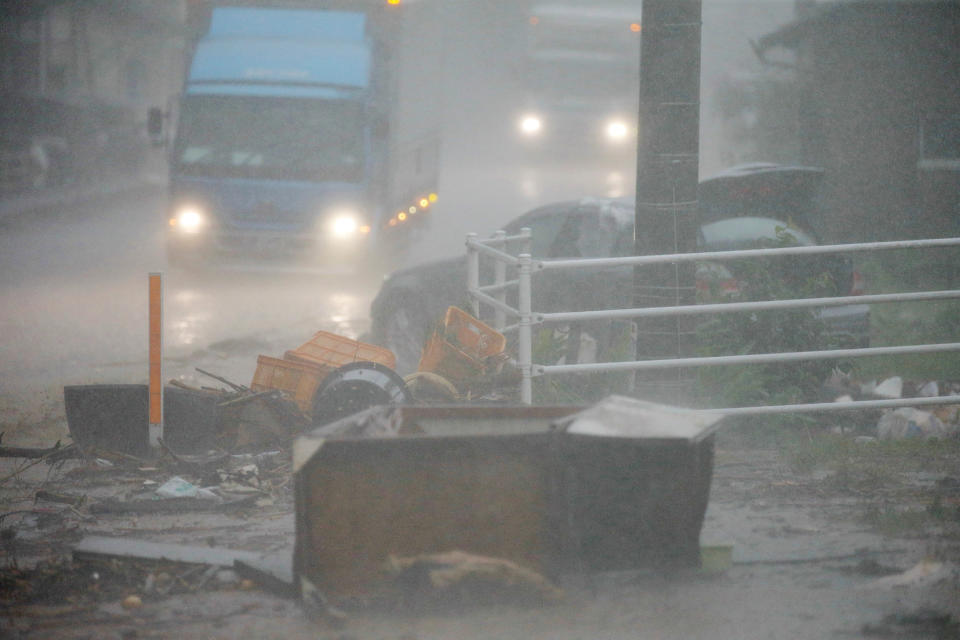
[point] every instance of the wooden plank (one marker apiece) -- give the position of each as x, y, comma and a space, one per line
127, 548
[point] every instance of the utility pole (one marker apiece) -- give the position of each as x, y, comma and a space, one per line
668, 165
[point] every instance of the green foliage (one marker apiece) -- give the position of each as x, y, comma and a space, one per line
551, 345
891, 520
767, 332
840, 454
915, 322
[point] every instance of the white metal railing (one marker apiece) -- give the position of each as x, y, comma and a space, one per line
494, 295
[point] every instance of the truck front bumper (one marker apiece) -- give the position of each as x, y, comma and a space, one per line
262, 248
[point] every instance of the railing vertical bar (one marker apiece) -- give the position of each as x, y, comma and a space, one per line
473, 273
500, 276
526, 243
525, 338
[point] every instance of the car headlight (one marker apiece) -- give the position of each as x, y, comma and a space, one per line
617, 130
189, 219
530, 125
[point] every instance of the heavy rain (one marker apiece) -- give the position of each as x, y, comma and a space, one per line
257, 380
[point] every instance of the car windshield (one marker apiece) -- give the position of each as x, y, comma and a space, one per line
743, 233
272, 138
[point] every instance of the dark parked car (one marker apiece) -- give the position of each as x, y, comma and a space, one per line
414, 299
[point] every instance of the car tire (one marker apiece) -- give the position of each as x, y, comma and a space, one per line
403, 329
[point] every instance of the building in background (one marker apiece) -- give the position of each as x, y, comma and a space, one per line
77, 78
877, 86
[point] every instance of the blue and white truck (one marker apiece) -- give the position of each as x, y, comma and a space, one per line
307, 133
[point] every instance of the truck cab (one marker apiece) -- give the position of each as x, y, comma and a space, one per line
580, 73
286, 139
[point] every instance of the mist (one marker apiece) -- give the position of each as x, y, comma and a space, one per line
314, 177
489, 177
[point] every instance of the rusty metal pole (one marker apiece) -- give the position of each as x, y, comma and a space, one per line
667, 175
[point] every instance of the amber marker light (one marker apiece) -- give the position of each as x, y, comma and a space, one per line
365, 229
402, 217
424, 203
635, 27
432, 197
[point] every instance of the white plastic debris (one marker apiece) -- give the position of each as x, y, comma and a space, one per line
205, 493
926, 573
950, 416
910, 423
177, 487
259, 459
890, 388
930, 390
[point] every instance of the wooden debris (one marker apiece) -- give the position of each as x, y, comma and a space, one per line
232, 385
62, 498
169, 505
126, 548
472, 575
272, 572
56, 452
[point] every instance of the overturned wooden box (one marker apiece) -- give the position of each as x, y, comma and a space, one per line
623, 484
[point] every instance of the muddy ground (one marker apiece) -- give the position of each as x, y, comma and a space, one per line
832, 538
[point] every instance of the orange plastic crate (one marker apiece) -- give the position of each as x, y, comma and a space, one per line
299, 380
460, 351
471, 335
334, 351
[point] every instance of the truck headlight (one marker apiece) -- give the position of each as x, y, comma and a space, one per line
617, 130
530, 125
345, 224
189, 219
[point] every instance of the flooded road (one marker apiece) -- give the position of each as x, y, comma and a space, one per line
73, 294
73, 284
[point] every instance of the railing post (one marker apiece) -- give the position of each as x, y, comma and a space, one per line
525, 346
526, 234
500, 276
473, 273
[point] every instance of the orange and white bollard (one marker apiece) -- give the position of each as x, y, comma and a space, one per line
155, 357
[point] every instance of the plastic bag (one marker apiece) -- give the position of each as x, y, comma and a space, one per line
910, 423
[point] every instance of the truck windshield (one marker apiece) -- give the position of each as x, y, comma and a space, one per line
579, 76
270, 138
